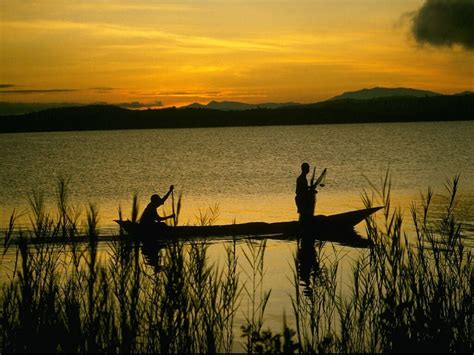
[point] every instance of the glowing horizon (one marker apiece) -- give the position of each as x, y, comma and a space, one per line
178, 53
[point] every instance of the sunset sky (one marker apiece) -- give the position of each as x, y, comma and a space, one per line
158, 53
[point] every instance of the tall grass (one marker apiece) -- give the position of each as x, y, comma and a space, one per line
66, 297
407, 292
209, 216
258, 339
315, 304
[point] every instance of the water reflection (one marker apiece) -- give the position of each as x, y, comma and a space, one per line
242, 188
152, 254
310, 254
308, 264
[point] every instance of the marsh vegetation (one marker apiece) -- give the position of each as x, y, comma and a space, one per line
406, 292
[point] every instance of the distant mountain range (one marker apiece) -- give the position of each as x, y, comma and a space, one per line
238, 106
375, 93
18, 108
392, 108
364, 94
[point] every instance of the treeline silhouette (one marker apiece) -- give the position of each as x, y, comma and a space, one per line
107, 117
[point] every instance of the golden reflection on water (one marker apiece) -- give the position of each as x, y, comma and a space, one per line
279, 256
273, 208
279, 268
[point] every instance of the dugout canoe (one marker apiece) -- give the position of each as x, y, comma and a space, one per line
337, 227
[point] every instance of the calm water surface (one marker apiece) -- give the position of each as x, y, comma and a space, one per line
249, 171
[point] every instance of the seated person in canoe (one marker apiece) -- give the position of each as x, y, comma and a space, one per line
150, 218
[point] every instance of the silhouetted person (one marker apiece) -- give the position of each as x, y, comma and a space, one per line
306, 257
152, 254
305, 195
150, 217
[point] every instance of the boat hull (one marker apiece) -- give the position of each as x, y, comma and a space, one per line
338, 227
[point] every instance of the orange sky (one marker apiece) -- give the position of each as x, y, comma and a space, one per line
196, 51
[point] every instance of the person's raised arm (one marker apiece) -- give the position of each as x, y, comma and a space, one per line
168, 193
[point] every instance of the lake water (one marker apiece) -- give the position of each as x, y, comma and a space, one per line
249, 171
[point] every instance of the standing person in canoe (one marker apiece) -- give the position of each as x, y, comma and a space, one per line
306, 193
150, 218
303, 199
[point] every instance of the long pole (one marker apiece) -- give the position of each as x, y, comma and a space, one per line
172, 202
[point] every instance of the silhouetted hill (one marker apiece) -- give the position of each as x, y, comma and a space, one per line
104, 117
367, 94
19, 108
238, 106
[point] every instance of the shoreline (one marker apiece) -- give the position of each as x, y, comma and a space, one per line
381, 110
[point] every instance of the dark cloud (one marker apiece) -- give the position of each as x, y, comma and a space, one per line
136, 104
6, 86
34, 91
445, 23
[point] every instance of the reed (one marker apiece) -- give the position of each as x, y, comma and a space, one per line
135, 208
405, 293
315, 304
208, 216
91, 227
64, 297
258, 339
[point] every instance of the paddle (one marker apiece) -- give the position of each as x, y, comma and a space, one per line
320, 178
172, 204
